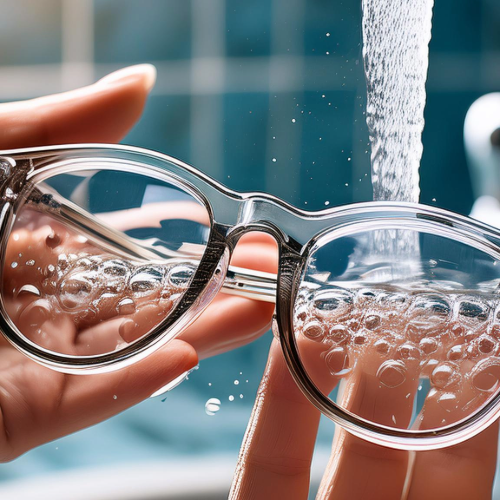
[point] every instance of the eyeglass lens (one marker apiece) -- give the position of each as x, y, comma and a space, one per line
410, 342
70, 294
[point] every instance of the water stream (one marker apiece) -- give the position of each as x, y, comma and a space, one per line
396, 36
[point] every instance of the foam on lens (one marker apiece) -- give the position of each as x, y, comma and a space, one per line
450, 339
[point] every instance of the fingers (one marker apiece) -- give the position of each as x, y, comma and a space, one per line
358, 470
277, 449
232, 321
466, 470
377, 398
460, 472
51, 405
103, 112
152, 214
89, 399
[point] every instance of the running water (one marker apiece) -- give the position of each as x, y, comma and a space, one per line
396, 36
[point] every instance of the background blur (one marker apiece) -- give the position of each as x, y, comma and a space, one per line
262, 95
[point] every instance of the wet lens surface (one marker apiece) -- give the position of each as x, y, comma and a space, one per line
409, 344
68, 293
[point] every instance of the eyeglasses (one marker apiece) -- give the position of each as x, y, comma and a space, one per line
109, 252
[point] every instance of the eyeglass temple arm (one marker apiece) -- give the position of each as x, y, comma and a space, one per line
248, 283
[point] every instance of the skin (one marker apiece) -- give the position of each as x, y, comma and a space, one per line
37, 404
278, 446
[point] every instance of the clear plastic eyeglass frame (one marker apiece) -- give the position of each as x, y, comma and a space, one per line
300, 236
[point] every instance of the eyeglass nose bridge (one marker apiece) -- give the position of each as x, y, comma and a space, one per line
235, 233
267, 214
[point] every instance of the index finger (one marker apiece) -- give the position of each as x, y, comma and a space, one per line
276, 453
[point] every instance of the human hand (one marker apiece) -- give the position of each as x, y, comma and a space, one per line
37, 404
276, 454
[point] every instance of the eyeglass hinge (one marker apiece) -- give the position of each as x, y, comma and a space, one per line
12, 177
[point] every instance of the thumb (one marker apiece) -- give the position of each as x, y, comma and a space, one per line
102, 112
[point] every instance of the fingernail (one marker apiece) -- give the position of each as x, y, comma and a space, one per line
127, 330
145, 71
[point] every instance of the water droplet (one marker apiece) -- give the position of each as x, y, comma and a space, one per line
53, 240
29, 290
314, 330
236, 382
35, 314
456, 353
433, 303
62, 261
274, 160
181, 275
418, 330
241, 396
115, 267
274, 327
359, 338
14, 265
337, 361
231, 398
458, 330
125, 306
392, 373
75, 291
212, 406
293, 120
428, 345
486, 374
475, 310
382, 346
444, 375
495, 331
146, 279
448, 401
115, 397
339, 334
332, 301
409, 352
486, 344
372, 321
30, 262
